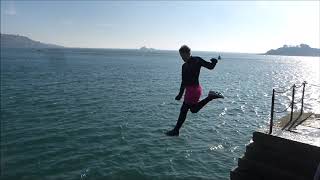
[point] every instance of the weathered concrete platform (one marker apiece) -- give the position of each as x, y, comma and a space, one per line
305, 128
290, 154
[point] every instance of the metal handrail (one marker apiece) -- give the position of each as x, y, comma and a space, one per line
284, 91
285, 110
291, 104
293, 91
316, 85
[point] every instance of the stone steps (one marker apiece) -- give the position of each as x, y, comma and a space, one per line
270, 157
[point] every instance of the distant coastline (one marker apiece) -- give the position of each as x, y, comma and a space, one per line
145, 49
299, 50
18, 41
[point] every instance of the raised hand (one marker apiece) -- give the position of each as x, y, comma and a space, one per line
214, 60
178, 97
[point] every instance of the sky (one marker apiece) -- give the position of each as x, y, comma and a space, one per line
220, 26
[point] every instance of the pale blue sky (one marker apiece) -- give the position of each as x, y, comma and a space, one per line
229, 26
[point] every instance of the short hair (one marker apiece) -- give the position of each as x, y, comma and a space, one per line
185, 48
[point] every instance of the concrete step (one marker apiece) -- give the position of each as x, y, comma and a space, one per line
274, 158
285, 146
238, 174
301, 167
267, 172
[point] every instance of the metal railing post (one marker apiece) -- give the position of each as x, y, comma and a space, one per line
292, 102
272, 110
304, 85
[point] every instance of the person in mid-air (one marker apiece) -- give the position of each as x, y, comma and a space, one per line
190, 83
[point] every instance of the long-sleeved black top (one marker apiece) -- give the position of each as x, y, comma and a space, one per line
191, 71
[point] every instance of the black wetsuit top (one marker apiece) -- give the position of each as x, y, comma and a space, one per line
191, 71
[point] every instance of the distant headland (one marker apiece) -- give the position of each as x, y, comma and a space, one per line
18, 41
299, 50
145, 49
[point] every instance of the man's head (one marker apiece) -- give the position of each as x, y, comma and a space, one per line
185, 52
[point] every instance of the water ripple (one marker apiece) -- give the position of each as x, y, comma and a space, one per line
110, 121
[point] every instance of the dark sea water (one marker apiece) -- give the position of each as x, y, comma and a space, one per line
102, 114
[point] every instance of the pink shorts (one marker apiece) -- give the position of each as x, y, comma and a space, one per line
192, 94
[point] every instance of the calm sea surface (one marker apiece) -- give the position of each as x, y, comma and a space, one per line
102, 114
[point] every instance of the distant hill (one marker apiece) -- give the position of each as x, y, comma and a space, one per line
145, 49
300, 50
17, 41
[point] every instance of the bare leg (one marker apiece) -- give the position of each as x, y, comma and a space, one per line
212, 95
196, 107
182, 117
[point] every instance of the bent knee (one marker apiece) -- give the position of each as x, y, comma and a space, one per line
194, 110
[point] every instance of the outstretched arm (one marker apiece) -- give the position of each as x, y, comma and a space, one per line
209, 65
